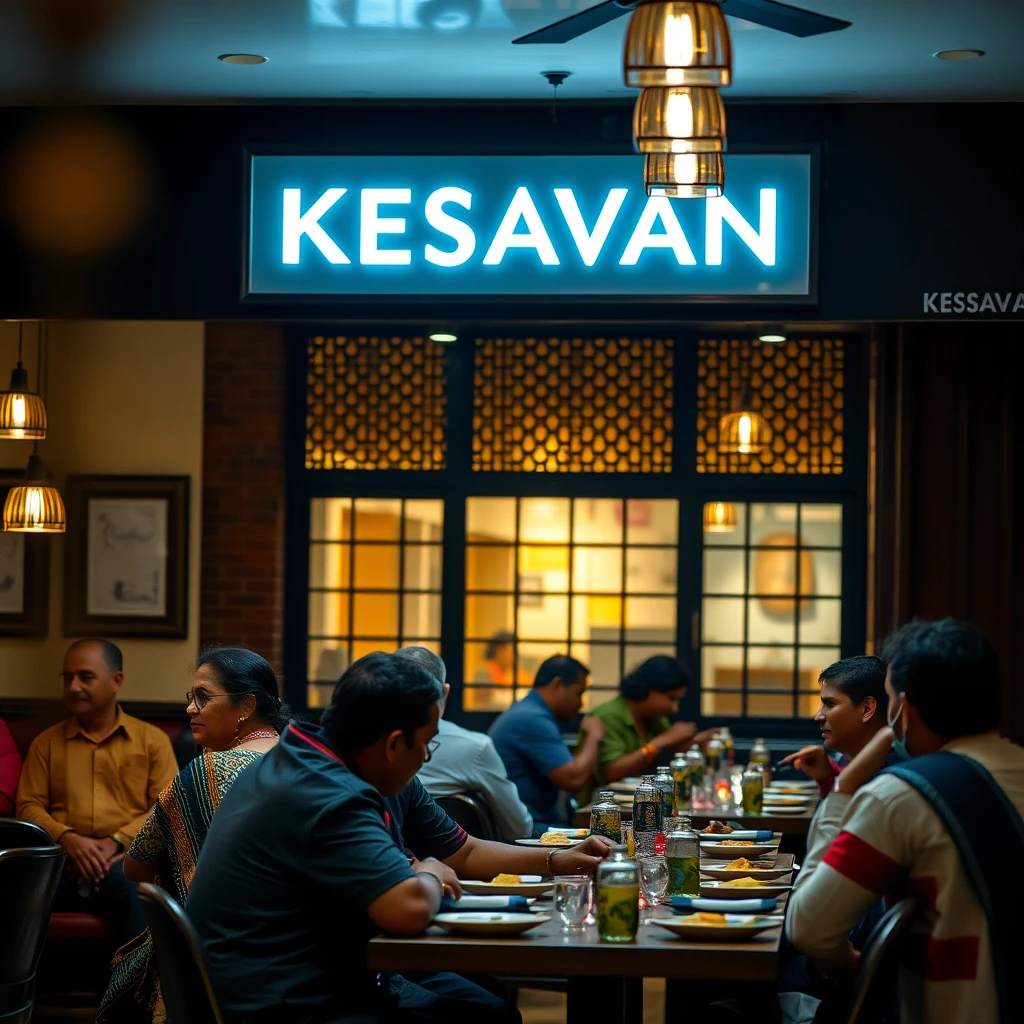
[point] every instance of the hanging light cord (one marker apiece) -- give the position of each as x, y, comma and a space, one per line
21, 332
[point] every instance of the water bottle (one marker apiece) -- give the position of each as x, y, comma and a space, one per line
753, 789
682, 851
681, 775
762, 756
665, 781
647, 813
618, 897
698, 769
606, 817
730, 748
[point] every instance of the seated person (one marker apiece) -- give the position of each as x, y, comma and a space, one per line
90, 781
637, 733
10, 771
236, 716
882, 835
466, 762
329, 839
497, 674
528, 738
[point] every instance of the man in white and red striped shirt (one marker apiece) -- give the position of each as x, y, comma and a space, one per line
878, 836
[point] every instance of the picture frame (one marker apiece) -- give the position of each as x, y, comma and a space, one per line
24, 575
775, 567
531, 591
126, 556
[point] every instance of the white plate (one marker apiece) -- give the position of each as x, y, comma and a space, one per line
798, 788
718, 851
623, 785
550, 846
531, 885
783, 809
715, 890
738, 926
489, 922
717, 869
787, 798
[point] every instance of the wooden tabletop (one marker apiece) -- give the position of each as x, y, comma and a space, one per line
787, 824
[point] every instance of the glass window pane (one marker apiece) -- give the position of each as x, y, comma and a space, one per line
651, 570
773, 577
827, 572
651, 620
597, 570
597, 521
544, 617
375, 615
378, 518
487, 615
596, 618
821, 623
328, 613
490, 519
318, 695
652, 522
490, 568
361, 648
721, 670
491, 666
637, 654
603, 662
728, 535
544, 569
812, 662
326, 660
531, 656
329, 518
821, 525
722, 620
421, 615
767, 625
770, 668
778, 705
422, 569
544, 519
723, 571
329, 565
769, 519
376, 566
424, 519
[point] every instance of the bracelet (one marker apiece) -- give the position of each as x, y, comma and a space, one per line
548, 870
649, 750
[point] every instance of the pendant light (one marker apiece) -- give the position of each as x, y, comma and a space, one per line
22, 412
34, 505
719, 517
679, 119
684, 175
678, 42
744, 431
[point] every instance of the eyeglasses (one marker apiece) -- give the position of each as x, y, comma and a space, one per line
201, 698
431, 750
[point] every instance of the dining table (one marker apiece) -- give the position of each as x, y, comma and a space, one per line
796, 824
604, 981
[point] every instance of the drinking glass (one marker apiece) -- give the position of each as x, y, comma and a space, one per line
653, 878
572, 901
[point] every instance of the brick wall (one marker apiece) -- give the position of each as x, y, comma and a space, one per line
242, 592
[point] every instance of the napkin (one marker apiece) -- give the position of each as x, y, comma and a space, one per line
687, 903
485, 903
758, 837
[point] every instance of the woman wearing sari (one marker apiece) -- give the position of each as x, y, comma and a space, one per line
236, 715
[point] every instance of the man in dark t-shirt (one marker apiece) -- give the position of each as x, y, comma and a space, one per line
328, 840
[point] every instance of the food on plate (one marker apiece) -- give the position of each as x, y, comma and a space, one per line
745, 865
554, 839
737, 842
743, 883
504, 879
702, 917
716, 828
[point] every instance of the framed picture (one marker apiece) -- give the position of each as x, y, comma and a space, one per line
126, 560
531, 591
775, 579
24, 575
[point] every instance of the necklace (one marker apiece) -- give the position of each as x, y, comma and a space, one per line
258, 734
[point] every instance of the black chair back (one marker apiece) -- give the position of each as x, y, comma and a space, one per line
470, 811
30, 870
184, 980
875, 984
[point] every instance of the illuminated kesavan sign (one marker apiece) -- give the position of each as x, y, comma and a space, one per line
509, 225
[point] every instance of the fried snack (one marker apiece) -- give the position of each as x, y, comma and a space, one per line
504, 879
739, 865
554, 839
716, 828
703, 917
743, 883
737, 842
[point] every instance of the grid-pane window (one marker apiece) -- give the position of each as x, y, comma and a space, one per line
772, 606
374, 582
592, 577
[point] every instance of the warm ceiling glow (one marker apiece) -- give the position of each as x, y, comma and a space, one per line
35, 505
773, 334
242, 58
959, 54
442, 336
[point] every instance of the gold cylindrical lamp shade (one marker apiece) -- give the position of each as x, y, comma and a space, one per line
22, 412
679, 42
35, 505
679, 119
745, 432
719, 517
684, 175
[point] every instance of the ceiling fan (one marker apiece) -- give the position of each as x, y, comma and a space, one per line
770, 13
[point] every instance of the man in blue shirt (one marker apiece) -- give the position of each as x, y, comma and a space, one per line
529, 740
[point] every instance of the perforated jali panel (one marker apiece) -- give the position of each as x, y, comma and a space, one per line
572, 405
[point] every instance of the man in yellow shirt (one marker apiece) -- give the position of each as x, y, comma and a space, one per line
91, 780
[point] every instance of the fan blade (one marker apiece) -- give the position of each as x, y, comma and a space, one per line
794, 20
576, 24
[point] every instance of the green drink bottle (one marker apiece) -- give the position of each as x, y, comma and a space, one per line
682, 851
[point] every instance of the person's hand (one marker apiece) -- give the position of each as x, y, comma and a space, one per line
867, 763
591, 726
450, 885
676, 736
581, 859
87, 856
812, 761
111, 851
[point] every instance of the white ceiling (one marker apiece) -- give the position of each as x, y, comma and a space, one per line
166, 50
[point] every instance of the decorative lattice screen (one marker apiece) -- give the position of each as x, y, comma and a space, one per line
375, 403
797, 386
572, 405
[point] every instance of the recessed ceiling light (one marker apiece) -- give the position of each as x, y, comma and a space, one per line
959, 54
242, 58
772, 333
443, 336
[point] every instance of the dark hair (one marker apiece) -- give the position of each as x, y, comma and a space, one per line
859, 677
109, 652
660, 673
501, 639
376, 695
949, 672
559, 666
241, 671
426, 659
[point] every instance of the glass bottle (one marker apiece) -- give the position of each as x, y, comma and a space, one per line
647, 811
681, 774
606, 817
753, 789
665, 781
715, 754
618, 897
730, 747
761, 755
682, 851
698, 769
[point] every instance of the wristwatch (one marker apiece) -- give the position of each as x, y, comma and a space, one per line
120, 842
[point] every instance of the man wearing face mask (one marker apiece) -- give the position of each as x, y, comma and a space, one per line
913, 829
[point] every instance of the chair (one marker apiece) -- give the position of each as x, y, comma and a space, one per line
29, 875
879, 962
472, 813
